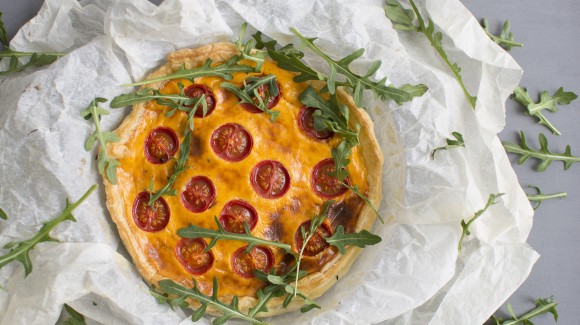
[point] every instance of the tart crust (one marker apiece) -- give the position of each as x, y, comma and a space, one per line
312, 285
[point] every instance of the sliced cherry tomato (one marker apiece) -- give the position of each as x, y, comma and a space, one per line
231, 142
306, 122
199, 194
160, 145
317, 243
189, 252
259, 258
270, 179
196, 90
323, 183
148, 218
264, 92
235, 213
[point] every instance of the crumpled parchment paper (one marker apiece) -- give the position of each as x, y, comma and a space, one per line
414, 276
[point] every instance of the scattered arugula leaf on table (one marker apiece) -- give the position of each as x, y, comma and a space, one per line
14, 65
465, 225
76, 317
450, 143
182, 294
107, 166
505, 39
3, 214
543, 305
249, 93
19, 251
548, 102
403, 19
541, 197
543, 154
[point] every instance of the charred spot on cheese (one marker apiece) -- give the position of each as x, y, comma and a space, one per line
195, 146
344, 213
273, 231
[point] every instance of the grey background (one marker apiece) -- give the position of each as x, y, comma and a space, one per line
550, 59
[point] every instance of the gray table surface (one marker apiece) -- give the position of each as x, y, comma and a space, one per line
550, 59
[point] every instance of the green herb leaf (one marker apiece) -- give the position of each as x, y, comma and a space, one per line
548, 102
401, 18
543, 154
330, 115
465, 225
193, 231
545, 305
3, 214
356, 82
360, 239
229, 310
76, 317
247, 51
505, 39
393, 9
541, 197
458, 142
3, 35
249, 93
19, 251
341, 161
107, 166
270, 45
223, 71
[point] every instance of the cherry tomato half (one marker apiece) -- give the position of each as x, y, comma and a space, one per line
189, 252
231, 142
235, 213
148, 218
270, 179
196, 90
160, 145
323, 183
259, 258
264, 92
306, 122
317, 243
199, 194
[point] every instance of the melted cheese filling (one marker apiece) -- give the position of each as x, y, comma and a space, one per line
278, 219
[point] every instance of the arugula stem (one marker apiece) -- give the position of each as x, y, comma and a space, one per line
9, 53
541, 197
443, 55
21, 250
532, 313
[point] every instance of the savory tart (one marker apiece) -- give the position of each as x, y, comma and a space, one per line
242, 168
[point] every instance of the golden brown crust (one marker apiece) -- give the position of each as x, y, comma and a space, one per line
314, 284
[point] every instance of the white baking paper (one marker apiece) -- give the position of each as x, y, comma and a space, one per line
414, 276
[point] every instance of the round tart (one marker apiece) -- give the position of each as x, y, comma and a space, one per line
274, 176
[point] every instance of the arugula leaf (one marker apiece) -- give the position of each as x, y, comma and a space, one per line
193, 231
541, 197
355, 82
403, 20
340, 155
76, 317
316, 221
543, 154
223, 71
270, 45
458, 142
247, 51
548, 102
229, 310
330, 115
3, 35
3, 214
465, 225
360, 239
505, 39
107, 166
19, 251
249, 93
543, 305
